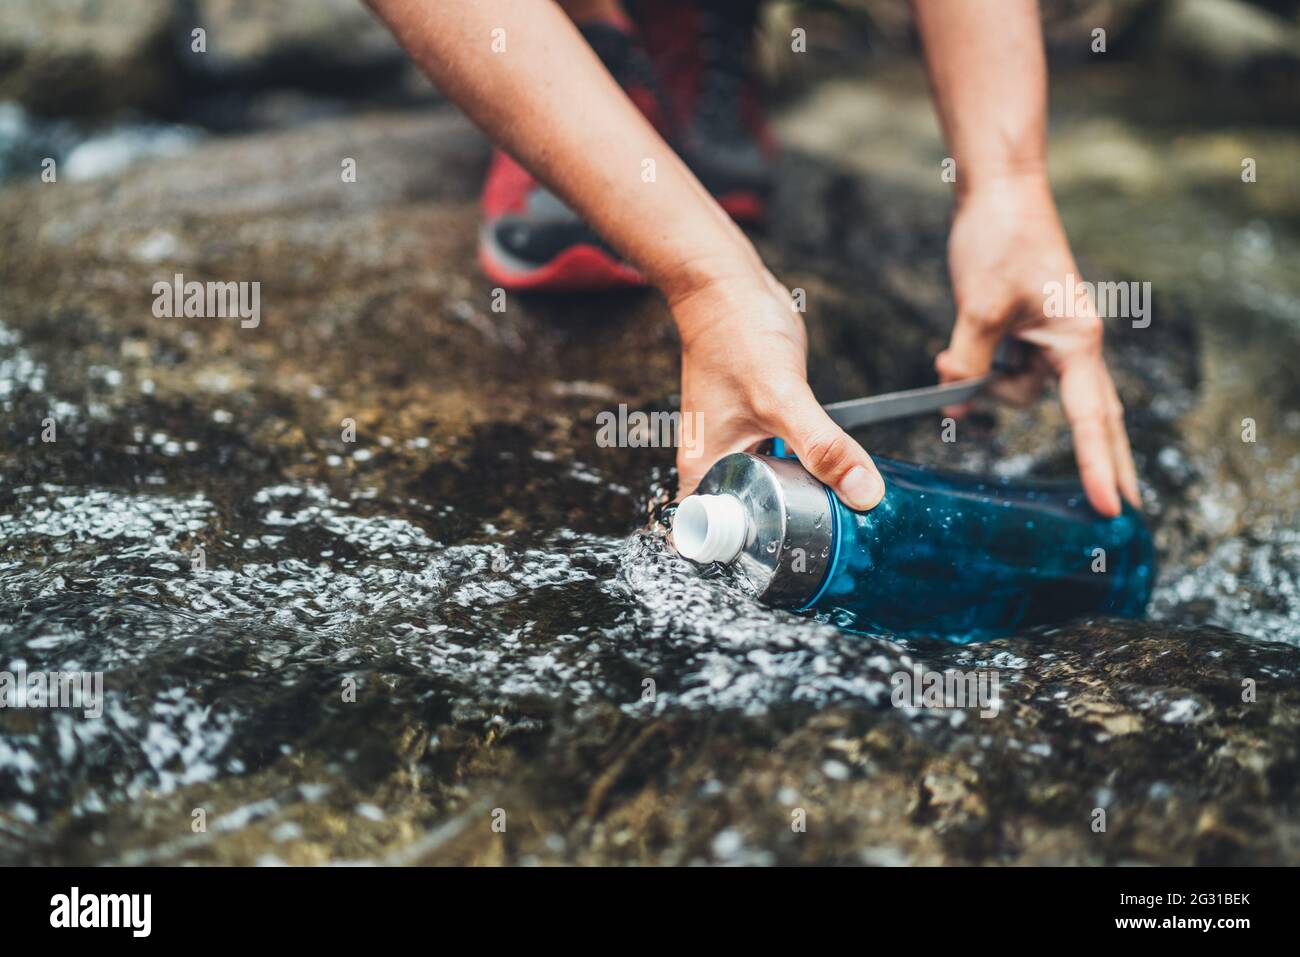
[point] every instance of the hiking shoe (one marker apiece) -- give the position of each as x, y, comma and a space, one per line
530, 239
703, 53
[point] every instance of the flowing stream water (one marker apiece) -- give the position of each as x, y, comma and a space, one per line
320, 651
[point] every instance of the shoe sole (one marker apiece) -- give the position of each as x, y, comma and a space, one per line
580, 268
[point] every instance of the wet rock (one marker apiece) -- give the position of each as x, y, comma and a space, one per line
86, 57
1227, 35
252, 36
318, 44
254, 64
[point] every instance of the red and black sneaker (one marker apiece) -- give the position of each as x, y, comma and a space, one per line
530, 238
703, 53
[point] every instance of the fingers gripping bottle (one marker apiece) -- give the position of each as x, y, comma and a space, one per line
945, 554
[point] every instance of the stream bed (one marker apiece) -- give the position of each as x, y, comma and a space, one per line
364, 588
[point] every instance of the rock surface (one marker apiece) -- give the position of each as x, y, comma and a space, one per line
377, 649
92, 58
85, 57
252, 42
1227, 35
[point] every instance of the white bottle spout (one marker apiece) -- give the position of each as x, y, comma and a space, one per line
710, 528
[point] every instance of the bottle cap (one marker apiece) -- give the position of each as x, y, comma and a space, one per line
710, 528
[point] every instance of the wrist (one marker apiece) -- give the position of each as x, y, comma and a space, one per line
1021, 176
701, 305
701, 285
729, 308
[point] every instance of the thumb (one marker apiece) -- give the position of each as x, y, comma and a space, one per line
828, 452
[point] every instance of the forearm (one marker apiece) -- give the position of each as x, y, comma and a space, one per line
548, 101
988, 72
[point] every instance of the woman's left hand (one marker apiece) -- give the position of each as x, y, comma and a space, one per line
1006, 246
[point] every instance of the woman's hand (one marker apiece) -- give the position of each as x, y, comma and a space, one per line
1006, 245
744, 379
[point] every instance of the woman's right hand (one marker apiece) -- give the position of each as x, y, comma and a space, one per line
744, 379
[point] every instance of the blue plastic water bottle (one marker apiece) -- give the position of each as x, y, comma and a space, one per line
945, 554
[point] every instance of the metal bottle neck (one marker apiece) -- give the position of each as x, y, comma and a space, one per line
790, 525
